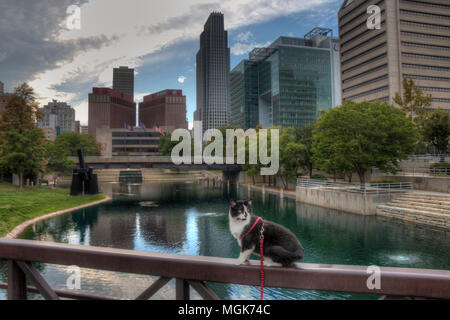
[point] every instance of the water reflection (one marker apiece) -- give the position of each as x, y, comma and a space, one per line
192, 219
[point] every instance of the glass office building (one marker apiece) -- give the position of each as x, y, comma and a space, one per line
287, 83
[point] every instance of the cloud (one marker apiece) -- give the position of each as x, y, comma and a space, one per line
245, 44
66, 63
240, 48
181, 79
244, 36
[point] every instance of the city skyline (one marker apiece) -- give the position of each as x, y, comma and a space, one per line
82, 59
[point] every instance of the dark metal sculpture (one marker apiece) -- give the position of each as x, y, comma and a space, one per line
84, 181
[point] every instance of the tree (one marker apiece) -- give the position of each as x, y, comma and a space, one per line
23, 152
291, 153
413, 101
361, 136
436, 129
57, 154
70, 142
21, 110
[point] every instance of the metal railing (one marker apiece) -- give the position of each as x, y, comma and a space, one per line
429, 158
193, 271
418, 172
365, 188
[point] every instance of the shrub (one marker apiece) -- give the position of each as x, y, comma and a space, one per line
440, 165
318, 176
382, 181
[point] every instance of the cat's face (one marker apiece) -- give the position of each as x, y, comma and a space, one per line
240, 210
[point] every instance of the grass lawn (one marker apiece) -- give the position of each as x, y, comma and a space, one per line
19, 206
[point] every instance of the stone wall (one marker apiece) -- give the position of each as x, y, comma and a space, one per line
341, 200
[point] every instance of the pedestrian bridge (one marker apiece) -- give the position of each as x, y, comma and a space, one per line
159, 162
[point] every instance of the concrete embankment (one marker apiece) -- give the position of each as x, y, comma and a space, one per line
353, 202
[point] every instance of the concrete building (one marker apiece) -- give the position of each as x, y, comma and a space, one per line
119, 142
413, 41
49, 133
84, 129
77, 126
110, 108
167, 108
123, 80
287, 83
59, 116
3, 98
213, 65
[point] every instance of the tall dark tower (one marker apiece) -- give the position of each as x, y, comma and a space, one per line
123, 81
213, 68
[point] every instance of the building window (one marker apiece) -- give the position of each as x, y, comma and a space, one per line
410, 76
363, 94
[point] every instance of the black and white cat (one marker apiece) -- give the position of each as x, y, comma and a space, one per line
280, 248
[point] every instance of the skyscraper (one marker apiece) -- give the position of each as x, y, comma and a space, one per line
287, 83
412, 42
110, 108
167, 108
213, 65
123, 80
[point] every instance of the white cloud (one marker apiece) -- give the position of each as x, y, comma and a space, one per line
181, 79
244, 36
138, 30
240, 48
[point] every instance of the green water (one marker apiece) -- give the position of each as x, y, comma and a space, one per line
189, 218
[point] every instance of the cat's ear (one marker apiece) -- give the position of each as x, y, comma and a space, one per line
249, 202
232, 203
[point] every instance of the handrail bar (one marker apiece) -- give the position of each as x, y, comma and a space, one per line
305, 276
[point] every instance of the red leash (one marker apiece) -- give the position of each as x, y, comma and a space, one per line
261, 242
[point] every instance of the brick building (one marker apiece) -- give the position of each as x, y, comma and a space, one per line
110, 108
167, 108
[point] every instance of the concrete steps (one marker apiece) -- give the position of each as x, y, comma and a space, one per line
424, 208
421, 205
413, 215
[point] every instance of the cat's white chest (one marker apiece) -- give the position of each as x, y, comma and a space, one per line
236, 229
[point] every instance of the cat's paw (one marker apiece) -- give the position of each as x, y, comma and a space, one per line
242, 263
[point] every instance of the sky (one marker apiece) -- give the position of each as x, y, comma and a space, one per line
160, 39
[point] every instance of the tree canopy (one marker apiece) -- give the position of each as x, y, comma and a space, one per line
21, 110
23, 152
70, 142
436, 129
360, 136
413, 101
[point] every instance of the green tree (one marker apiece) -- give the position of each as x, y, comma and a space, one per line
23, 152
57, 154
21, 110
70, 142
361, 136
413, 101
436, 129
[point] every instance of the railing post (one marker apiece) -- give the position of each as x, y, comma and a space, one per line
17, 286
182, 289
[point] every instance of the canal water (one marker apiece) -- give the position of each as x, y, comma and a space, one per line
191, 218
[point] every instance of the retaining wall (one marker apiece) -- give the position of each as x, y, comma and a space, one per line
341, 200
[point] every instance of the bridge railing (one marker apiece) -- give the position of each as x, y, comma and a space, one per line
194, 271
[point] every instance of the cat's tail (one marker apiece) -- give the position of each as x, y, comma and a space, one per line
283, 256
